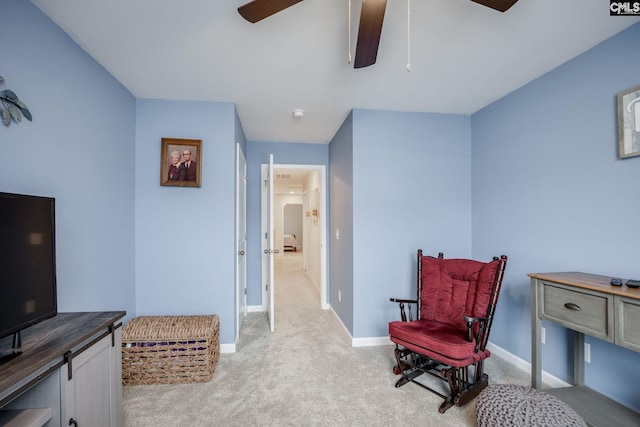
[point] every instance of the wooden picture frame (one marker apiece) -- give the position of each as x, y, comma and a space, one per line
180, 175
629, 123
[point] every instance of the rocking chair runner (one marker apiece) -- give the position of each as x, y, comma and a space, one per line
454, 310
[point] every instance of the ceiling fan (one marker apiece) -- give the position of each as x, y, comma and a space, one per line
371, 18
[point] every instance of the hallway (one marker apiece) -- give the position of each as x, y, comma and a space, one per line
293, 285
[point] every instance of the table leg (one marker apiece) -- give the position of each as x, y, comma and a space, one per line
578, 358
536, 347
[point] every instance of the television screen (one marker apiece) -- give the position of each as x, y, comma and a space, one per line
27, 261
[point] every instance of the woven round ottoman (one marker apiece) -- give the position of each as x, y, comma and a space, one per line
513, 405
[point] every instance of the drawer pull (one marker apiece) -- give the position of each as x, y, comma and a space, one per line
572, 306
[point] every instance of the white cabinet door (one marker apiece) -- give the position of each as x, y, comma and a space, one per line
92, 397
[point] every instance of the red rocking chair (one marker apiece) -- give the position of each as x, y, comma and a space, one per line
454, 310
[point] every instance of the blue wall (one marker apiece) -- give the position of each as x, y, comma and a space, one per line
411, 189
550, 192
341, 218
78, 149
185, 251
257, 155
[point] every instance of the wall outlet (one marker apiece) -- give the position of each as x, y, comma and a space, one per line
543, 335
587, 352
339, 296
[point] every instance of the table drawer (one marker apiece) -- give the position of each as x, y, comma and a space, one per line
627, 321
586, 311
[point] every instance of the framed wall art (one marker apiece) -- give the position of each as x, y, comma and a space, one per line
181, 162
629, 123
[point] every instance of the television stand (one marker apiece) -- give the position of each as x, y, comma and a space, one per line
70, 364
17, 343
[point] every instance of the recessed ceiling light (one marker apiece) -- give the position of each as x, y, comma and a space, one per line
298, 113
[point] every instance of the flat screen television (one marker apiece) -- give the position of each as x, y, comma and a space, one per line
27, 265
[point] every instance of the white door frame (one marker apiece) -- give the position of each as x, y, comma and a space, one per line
241, 239
322, 169
266, 237
271, 253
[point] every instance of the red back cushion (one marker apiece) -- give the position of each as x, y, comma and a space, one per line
453, 288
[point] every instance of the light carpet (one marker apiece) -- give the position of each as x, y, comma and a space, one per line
305, 373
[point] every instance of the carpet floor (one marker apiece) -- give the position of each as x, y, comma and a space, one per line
305, 373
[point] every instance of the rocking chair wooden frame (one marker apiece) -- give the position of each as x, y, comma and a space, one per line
463, 373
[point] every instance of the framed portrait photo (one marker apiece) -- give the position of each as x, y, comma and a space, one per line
629, 123
181, 162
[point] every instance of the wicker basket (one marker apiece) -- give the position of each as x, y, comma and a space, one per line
170, 349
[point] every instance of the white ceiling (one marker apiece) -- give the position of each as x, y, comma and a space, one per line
463, 55
289, 181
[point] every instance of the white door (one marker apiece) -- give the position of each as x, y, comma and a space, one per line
269, 250
241, 238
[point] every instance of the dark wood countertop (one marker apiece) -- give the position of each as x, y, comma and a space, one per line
45, 344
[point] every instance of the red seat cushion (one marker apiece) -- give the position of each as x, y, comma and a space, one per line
440, 341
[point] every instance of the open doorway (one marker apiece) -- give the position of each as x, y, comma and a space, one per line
299, 222
292, 227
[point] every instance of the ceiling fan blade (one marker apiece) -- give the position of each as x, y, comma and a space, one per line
257, 10
499, 5
371, 18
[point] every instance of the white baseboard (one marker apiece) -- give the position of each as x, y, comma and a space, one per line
312, 281
227, 348
548, 379
344, 328
362, 342
370, 341
231, 348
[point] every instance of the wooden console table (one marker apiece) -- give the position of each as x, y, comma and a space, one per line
69, 373
587, 304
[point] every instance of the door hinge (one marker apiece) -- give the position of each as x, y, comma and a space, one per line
113, 334
266, 287
67, 359
245, 291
